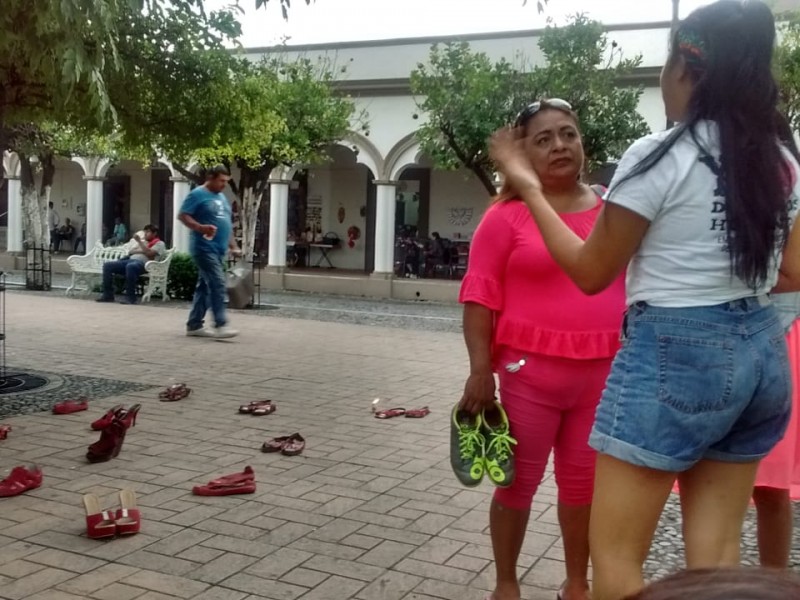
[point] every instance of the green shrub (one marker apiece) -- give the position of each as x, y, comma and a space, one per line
182, 277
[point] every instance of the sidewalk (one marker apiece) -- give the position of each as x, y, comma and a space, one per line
370, 510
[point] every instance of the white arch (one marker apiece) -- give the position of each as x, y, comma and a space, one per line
11, 165
94, 167
405, 153
283, 173
174, 173
367, 153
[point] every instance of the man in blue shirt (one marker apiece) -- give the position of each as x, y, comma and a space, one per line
207, 212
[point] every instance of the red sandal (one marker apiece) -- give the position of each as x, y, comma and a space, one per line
176, 392
99, 523
390, 413
418, 413
294, 445
4, 431
20, 480
71, 406
226, 489
276, 444
128, 518
248, 408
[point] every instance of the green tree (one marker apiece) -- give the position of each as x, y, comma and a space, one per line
465, 96
787, 69
290, 116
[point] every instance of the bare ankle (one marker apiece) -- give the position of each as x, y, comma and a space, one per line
506, 590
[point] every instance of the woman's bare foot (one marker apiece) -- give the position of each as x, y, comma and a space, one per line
505, 592
577, 591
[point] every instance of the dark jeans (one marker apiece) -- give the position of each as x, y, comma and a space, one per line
210, 290
131, 269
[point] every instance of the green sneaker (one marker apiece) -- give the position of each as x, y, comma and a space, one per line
466, 447
499, 457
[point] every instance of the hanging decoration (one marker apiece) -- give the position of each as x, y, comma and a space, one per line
460, 216
340, 215
353, 234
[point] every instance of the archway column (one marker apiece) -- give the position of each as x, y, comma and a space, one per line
278, 222
385, 206
180, 233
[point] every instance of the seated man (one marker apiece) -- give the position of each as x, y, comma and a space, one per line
80, 240
132, 266
119, 235
63, 233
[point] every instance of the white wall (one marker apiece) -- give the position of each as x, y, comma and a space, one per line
458, 201
68, 192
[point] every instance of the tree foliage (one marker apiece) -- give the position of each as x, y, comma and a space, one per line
289, 115
787, 68
466, 97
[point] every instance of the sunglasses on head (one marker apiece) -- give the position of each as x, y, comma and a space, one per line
529, 111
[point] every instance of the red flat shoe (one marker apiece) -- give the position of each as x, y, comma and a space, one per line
264, 409
247, 475
228, 489
390, 413
99, 523
107, 418
275, 444
71, 406
19, 481
4, 431
294, 445
128, 517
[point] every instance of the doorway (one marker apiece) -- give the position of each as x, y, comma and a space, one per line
116, 203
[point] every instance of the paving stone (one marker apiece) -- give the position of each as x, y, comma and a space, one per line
119, 591
27, 586
345, 568
19, 568
279, 563
304, 577
335, 587
221, 568
267, 588
387, 554
65, 560
168, 584
98, 579
392, 585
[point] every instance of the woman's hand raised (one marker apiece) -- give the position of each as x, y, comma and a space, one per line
507, 151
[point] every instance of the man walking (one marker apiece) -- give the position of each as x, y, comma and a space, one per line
207, 212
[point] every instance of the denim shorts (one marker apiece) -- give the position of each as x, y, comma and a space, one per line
697, 383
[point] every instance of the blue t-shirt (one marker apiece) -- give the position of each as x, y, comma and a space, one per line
208, 208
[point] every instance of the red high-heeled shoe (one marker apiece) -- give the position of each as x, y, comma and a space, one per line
128, 417
109, 445
99, 523
128, 517
108, 418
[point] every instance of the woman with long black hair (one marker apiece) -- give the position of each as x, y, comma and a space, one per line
700, 216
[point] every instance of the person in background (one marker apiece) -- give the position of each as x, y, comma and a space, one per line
120, 233
550, 344
53, 220
65, 233
702, 216
207, 212
81, 239
132, 266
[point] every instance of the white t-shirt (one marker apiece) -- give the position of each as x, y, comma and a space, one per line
683, 260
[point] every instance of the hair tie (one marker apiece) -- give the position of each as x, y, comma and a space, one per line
693, 48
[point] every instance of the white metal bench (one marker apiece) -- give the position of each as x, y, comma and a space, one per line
88, 269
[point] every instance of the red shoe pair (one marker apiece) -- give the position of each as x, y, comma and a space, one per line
112, 435
102, 524
20, 480
228, 485
71, 406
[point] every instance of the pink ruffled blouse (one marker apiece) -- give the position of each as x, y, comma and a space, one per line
537, 307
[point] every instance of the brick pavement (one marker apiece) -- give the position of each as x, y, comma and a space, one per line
370, 511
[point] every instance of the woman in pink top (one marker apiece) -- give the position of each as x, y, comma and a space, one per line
550, 344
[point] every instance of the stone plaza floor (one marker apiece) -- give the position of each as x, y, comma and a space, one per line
369, 511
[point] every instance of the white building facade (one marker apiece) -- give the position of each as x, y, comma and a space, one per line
371, 187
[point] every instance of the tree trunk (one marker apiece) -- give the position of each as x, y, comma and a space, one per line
34, 225
249, 202
486, 180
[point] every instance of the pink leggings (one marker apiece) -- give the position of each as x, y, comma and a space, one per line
551, 404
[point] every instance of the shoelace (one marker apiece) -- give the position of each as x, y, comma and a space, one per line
468, 440
501, 445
